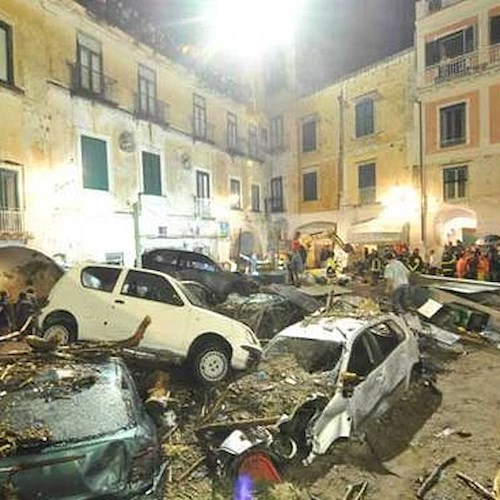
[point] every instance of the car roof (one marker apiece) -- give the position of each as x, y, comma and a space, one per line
329, 328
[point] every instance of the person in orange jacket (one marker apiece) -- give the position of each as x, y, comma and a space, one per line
462, 264
483, 267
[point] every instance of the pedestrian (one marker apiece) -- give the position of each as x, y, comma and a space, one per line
23, 310
415, 262
296, 267
483, 267
448, 263
461, 265
433, 263
397, 277
472, 265
5, 322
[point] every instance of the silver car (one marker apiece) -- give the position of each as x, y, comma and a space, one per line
365, 361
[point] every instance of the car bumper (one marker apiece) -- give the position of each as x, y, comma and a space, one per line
246, 357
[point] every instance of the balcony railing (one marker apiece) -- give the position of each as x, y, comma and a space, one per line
367, 196
235, 146
203, 207
275, 204
494, 55
92, 84
12, 223
466, 64
203, 131
151, 109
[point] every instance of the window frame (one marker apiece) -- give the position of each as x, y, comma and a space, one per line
276, 133
236, 204
81, 48
200, 116
9, 53
5, 174
315, 194
434, 49
367, 197
494, 19
453, 141
203, 174
364, 120
143, 177
106, 141
308, 135
458, 185
151, 99
231, 130
277, 182
103, 268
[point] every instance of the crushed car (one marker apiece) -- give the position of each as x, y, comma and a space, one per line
75, 429
101, 302
364, 360
214, 283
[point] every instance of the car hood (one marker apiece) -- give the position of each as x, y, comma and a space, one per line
99, 467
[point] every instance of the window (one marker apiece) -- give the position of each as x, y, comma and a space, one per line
151, 173
452, 125
277, 194
309, 186
450, 46
147, 90
150, 287
495, 30
255, 198
367, 183
100, 278
361, 361
277, 128
309, 135
89, 64
202, 184
198, 262
9, 190
454, 183
235, 197
94, 163
365, 122
199, 116
232, 131
387, 337
252, 141
6, 54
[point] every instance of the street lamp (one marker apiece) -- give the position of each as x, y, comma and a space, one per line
248, 28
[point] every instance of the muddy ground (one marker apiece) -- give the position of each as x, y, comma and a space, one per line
408, 442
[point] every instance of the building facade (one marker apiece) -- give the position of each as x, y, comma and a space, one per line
458, 82
108, 147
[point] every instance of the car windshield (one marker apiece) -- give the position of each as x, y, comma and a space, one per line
190, 295
70, 402
314, 356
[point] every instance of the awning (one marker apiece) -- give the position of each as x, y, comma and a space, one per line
376, 231
317, 227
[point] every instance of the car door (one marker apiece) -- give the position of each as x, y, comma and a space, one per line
93, 305
149, 294
364, 361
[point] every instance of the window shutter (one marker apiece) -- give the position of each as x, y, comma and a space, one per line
94, 163
470, 46
431, 53
151, 171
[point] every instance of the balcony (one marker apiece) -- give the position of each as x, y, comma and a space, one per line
12, 224
203, 208
236, 146
275, 205
449, 69
203, 131
494, 55
92, 84
150, 109
367, 195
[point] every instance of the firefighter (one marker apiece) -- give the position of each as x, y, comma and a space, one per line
448, 263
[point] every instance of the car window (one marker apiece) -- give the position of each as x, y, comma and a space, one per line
388, 336
165, 257
150, 287
362, 361
100, 278
198, 262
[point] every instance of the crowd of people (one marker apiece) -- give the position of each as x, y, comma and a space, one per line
14, 315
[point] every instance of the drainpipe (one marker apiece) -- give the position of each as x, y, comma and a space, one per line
423, 194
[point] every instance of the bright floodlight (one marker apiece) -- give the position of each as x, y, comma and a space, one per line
250, 27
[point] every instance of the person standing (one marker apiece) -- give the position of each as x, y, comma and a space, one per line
433, 263
415, 262
397, 277
5, 323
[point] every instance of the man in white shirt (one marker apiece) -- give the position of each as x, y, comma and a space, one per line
397, 277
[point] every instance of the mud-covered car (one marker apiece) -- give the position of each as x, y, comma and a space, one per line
105, 302
75, 429
365, 360
216, 284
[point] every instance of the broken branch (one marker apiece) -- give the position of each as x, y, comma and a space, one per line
434, 477
474, 485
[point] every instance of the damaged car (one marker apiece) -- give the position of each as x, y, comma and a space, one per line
365, 361
75, 429
101, 302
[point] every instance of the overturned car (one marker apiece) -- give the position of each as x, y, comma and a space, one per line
363, 362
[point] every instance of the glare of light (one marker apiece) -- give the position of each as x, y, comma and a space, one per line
250, 27
401, 203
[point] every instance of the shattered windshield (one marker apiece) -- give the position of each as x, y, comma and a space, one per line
314, 356
61, 403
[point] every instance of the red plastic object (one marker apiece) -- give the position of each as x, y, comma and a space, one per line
259, 467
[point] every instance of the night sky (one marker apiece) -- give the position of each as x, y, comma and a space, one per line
336, 37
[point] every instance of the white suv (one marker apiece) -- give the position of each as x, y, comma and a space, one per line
102, 302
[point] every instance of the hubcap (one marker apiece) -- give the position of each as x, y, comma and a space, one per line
213, 366
59, 331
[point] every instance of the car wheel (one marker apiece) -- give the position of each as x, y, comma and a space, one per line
61, 328
211, 362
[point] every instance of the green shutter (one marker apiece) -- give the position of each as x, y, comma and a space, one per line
151, 173
94, 163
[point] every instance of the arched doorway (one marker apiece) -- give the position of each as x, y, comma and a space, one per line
456, 224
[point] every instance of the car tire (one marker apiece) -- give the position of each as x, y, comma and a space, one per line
211, 362
62, 327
